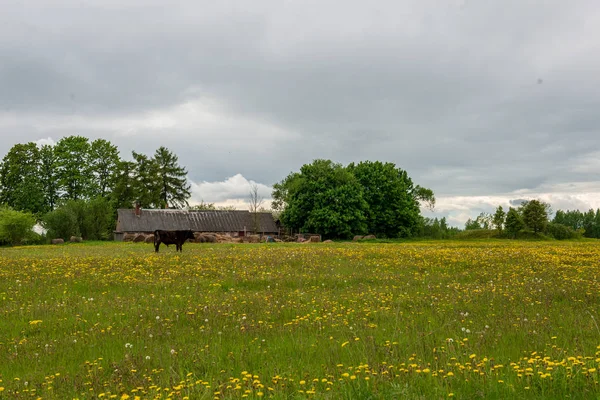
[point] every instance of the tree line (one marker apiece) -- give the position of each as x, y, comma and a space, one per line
65, 184
533, 216
75, 187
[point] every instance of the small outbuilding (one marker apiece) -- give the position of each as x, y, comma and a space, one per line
235, 223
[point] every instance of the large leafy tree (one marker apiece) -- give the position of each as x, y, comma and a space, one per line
47, 173
74, 172
104, 157
571, 218
324, 197
498, 218
171, 179
535, 215
20, 185
393, 201
514, 222
124, 193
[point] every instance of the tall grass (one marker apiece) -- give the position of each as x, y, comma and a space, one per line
412, 320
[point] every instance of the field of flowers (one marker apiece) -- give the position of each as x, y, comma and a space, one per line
414, 320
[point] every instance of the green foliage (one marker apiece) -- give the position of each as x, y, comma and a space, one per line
421, 194
124, 194
20, 185
535, 215
203, 207
37, 179
147, 189
573, 219
61, 223
591, 224
498, 218
337, 202
173, 189
562, 232
513, 223
73, 168
48, 176
436, 229
15, 226
156, 182
472, 225
91, 219
393, 202
324, 197
98, 221
104, 158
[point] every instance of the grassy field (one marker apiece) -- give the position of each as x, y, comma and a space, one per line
504, 320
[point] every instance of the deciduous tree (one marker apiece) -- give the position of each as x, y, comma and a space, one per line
48, 176
498, 218
104, 158
20, 185
514, 222
324, 197
392, 199
535, 215
73, 170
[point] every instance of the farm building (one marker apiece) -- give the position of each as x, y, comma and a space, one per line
235, 223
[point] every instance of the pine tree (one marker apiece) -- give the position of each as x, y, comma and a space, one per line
146, 185
174, 190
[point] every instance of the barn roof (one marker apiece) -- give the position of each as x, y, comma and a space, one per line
198, 221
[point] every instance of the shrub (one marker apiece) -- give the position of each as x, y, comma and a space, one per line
562, 232
92, 220
15, 226
61, 224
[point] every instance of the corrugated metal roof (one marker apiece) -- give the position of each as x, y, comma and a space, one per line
197, 221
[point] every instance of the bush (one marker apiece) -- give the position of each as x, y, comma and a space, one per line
98, 220
15, 226
92, 220
61, 224
562, 232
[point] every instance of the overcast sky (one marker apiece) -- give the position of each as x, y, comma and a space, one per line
482, 101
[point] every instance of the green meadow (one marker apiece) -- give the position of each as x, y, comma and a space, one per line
421, 320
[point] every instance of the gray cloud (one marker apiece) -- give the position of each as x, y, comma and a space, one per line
471, 98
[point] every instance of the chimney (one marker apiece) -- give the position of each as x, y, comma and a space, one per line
138, 209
